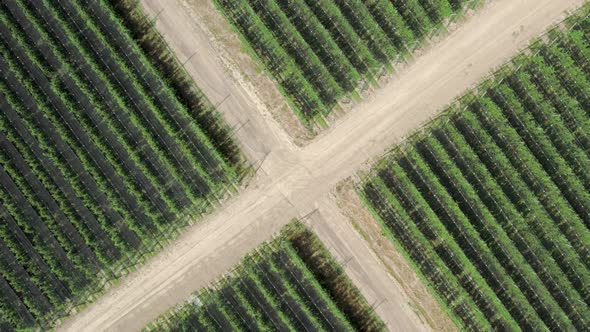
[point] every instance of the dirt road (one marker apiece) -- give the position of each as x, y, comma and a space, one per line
187, 24
294, 181
364, 268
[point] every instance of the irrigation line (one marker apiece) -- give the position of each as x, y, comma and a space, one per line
480, 217
315, 76
426, 262
342, 37
35, 153
70, 130
478, 264
309, 297
162, 87
514, 229
531, 175
45, 230
162, 42
298, 8
181, 166
239, 277
233, 302
554, 171
546, 123
281, 296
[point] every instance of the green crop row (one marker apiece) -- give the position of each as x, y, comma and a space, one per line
106, 152
290, 284
320, 50
492, 197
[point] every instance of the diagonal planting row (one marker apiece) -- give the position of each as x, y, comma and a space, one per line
491, 202
319, 51
100, 157
289, 284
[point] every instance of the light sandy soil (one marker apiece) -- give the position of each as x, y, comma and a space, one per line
294, 181
388, 264
217, 60
391, 292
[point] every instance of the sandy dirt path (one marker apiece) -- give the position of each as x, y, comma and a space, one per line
363, 267
294, 181
183, 26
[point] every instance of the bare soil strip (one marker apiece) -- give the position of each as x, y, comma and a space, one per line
391, 293
294, 181
387, 276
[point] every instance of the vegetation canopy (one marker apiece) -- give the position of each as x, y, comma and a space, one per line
319, 51
491, 202
106, 148
289, 284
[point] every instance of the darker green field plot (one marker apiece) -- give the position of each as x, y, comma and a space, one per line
289, 284
106, 148
319, 51
491, 202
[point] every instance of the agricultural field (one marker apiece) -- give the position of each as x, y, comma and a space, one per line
319, 52
107, 149
289, 284
491, 202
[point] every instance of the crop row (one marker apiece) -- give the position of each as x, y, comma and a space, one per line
319, 51
103, 155
491, 202
283, 285
152, 45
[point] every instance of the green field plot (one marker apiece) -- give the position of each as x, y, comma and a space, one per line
318, 51
106, 149
289, 284
491, 202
